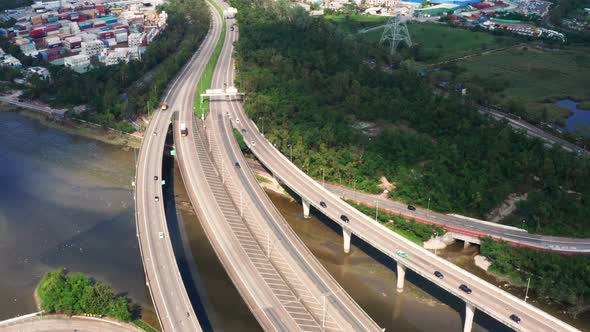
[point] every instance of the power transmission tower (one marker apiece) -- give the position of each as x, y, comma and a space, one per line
395, 32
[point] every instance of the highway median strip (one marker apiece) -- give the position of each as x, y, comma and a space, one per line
202, 109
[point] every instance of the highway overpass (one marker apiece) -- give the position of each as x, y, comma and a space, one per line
483, 296
284, 285
173, 307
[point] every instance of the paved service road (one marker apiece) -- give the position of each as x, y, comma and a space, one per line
169, 295
485, 297
455, 223
535, 131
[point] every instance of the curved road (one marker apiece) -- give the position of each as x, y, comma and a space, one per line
512, 235
453, 223
314, 284
277, 276
169, 295
62, 324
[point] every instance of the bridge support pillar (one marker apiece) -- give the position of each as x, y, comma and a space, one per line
346, 236
305, 208
466, 244
401, 277
469, 313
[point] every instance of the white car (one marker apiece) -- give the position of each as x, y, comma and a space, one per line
253, 143
161, 235
237, 120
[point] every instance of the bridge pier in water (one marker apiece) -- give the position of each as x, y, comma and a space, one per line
346, 236
305, 208
466, 244
469, 313
401, 277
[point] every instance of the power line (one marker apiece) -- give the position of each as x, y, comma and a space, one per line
394, 33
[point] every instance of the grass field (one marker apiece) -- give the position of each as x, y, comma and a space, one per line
441, 42
532, 76
527, 76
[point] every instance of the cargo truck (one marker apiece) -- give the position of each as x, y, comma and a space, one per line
183, 130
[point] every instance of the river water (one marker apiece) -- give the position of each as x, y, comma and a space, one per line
65, 201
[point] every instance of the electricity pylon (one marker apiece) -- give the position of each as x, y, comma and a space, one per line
395, 32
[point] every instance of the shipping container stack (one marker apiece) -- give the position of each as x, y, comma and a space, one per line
85, 28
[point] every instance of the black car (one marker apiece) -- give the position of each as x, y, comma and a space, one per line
155, 178
344, 218
324, 205
438, 275
244, 130
237, 165
411, 208
515, 318
465, 289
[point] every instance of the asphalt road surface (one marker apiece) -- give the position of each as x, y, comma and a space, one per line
169, 295
67, 324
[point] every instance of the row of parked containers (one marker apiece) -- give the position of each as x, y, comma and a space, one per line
52, 54
70, 16
42, 31
100, 8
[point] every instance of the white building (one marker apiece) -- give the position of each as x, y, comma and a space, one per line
92, 48
135, 39
40, 71
8, 60
77, 61
123, 54
162, 18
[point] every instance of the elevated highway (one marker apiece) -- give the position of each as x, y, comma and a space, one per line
173, 307
482, 296
467, 226
455, 223
280, 280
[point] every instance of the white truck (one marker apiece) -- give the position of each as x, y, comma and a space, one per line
183, 130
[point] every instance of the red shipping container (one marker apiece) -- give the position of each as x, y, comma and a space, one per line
106, 35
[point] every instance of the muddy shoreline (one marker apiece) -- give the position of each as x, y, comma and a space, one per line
74, 127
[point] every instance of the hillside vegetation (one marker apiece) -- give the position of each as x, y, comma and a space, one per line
315, 91
563, 278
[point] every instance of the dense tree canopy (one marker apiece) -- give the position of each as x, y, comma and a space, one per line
316, 89
78, 294
564, 278
10, 4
